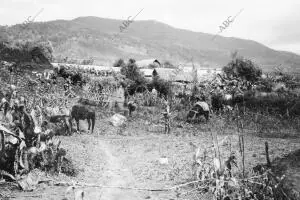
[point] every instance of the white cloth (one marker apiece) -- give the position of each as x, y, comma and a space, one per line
203, 105
3, 100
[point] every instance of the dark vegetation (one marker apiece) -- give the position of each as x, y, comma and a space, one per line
75, 77
32, 53
244, 69
119, 63
140, 84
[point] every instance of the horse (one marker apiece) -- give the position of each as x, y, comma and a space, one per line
80, 112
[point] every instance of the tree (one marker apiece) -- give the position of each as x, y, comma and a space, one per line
242, 68
163, 87
46, 49
131, 71
119, 63
27, 51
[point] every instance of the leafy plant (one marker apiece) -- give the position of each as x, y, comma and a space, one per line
242, 68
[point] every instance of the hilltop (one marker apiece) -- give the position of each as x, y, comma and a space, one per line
87, 37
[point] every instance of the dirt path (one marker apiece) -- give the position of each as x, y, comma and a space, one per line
102, 167
118, 176
98, 166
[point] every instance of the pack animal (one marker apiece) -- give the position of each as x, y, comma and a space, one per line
80, 112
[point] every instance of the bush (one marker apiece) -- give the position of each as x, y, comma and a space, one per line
242, 68
76, 77
38, 51
163, 87
132, 72
119, 63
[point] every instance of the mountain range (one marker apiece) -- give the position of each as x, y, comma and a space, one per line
101, 39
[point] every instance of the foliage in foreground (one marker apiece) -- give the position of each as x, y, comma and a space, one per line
220, 169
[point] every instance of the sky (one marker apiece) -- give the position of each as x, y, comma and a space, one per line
273, 23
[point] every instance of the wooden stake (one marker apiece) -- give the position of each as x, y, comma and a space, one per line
267, 155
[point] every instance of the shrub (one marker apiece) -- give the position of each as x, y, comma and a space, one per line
266, 85
37, 51
119, 63
242, 68
132, 72
76, 77
163, 87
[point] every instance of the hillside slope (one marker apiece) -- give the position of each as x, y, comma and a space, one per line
86, 37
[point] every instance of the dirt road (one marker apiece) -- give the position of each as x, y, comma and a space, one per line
99, 164
133, 162
117, 176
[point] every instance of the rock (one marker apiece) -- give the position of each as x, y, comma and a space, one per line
163, 161
117, 120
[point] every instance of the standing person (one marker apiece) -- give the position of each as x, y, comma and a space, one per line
167, 116
154, 92
126, 93
154, 96
117, 100
132, 105
121, 98
4, 104
67, 86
